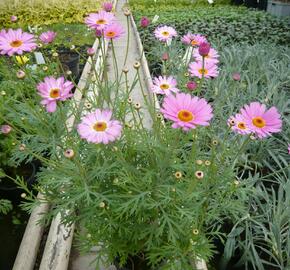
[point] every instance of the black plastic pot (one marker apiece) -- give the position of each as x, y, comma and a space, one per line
70, 61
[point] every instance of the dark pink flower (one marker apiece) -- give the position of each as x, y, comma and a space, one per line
204, 49
144, 22
107, 6
191, 85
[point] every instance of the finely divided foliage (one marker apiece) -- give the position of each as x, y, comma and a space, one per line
163, 194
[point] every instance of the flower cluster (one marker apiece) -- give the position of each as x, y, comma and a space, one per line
105, 24
256, 119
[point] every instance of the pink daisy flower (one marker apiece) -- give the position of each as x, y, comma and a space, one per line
210, 69
98, 127
193, 39
238, 124
47, 37
186, 111
100, 20
52, 90
16, 42
164, 85
165, 33
114, 31
261, 121
211, 57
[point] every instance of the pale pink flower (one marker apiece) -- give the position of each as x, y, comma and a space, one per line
210, 70
164, 85
98, 127
186, 112
236, 76
108, 6
165, 33
193, 39
5, 129
114, 31
100, 20
238, 124
289, 148
16, 42
47, 37
52, 90
211, 57
261, 121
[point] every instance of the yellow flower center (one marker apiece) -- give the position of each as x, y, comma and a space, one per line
100, 126
16, 43
242, 125
164, 86
194, 42
111, 34
101, 21
185, 115
54, 93
203, 71
259, 122
165, 33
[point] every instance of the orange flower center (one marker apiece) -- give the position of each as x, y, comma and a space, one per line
203, 71
242, 125
16, 43
111, 34
185, 116
54, 93
164, 86
259, 122
101, 21
165, 33
194, 42
100, 126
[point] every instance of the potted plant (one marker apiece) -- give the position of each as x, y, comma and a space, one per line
151, 187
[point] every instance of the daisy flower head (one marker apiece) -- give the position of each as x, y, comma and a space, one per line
165, 33
209, 70
47, 37
260, 121
186, 112
100, 20
52, 90
238, 124
164, 85
98, 127
113, 31
16, 42
193, 39
211, 57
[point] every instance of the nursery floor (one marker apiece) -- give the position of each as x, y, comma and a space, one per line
86, 262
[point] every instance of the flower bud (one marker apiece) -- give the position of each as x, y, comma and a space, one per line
178, 175
20, 74
236, 76
69, 153
22, 147
127, 12
165, 56
91, 51
191, 85
99, 33
107, 6
13, 18
5, 129
137, 65
144, 22
199, 174
204, 49
137, 106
